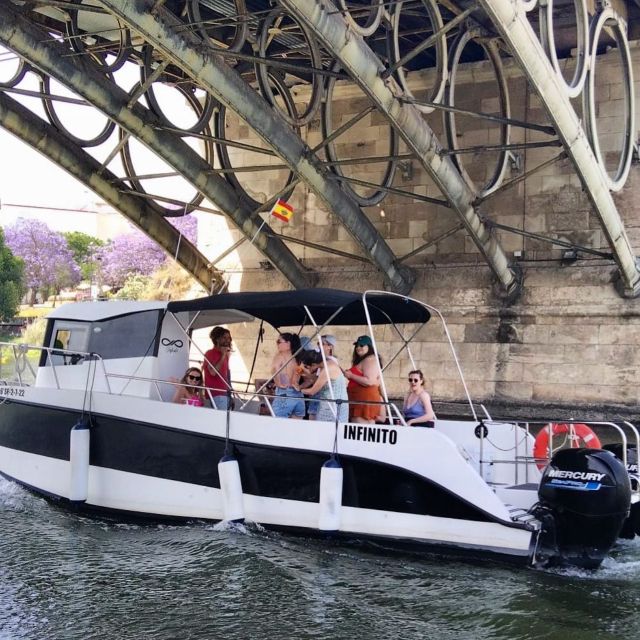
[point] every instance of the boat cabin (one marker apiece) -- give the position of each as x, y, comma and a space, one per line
125, 347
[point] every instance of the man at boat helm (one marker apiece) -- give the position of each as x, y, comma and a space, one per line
217, 377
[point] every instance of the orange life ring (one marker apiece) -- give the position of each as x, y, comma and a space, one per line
583, 434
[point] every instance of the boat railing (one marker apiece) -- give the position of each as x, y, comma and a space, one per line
571, 437
245, 397
21, 361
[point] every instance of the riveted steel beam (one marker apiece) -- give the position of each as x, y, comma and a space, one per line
364, 67
46, 139
166, 33
512, 23
77, 73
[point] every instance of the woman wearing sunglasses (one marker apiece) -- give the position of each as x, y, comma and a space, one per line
190, 391
417, 408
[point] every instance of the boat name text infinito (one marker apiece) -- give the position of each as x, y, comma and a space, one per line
370, 434
576, 475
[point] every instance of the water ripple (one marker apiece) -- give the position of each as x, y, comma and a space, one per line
63, 575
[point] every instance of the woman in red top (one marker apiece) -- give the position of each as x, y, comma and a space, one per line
364, 382
217, 377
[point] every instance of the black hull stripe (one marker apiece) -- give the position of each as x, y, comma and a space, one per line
166, 452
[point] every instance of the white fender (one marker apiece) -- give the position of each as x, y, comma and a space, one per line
231, 487
330, 496
79, 441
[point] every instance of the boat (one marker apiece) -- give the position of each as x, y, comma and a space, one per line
95, 430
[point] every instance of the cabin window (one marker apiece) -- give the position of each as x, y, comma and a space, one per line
68, 337
130, 336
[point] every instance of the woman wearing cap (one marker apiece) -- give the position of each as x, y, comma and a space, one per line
364, 381
417, 408
329, 344
331, 374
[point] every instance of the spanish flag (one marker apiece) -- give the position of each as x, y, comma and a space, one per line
282, 210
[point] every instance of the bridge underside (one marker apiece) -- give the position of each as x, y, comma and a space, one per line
247, 60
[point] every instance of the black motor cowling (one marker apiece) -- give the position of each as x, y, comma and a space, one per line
584, 499
631, 526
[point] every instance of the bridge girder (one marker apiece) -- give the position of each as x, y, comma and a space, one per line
201, 60
511, 22
364, 67
162, 29
46, 139
34, 45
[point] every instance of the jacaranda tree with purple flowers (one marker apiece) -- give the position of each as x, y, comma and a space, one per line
136, 254
48, 262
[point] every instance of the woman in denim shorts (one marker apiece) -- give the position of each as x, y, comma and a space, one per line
288, 402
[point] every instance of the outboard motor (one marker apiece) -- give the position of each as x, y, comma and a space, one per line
631, 526
584, 499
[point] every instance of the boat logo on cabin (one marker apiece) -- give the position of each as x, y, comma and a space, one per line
172, 345
367, 433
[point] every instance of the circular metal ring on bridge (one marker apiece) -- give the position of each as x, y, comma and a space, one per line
56, 121
186, 88
212, 29
492, 53
435, 18
220, 131
136, 181
547, 38
327, 129
364, 21
528, 5
281, 27
616, 29
98, 43
18, 71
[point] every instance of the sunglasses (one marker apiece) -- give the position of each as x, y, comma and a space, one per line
412, 380
194, 378
281, 340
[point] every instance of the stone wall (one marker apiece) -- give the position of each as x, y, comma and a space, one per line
569, 343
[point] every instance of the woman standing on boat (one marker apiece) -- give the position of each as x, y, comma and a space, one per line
284, 368
189, 391
364, 382
217, 377
329, 375
417, 408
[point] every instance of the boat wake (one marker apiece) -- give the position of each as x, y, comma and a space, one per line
624, 565
13, 497
246, 528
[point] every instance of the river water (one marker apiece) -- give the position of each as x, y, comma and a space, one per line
63, 575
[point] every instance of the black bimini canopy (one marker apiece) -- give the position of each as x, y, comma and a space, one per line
288, 308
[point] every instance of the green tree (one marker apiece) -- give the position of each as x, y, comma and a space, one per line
11, 281
84, 249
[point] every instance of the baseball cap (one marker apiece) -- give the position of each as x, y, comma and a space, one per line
363, 341
330, 339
